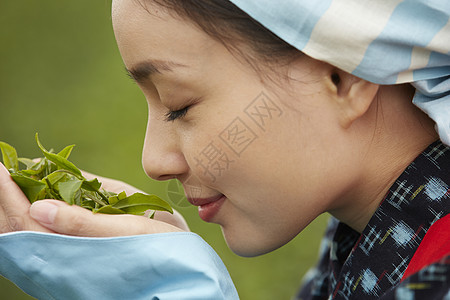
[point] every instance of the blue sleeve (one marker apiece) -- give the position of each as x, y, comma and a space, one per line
155, 266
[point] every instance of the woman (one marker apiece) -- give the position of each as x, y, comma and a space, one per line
273, 137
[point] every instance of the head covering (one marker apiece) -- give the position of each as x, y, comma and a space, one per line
384, 41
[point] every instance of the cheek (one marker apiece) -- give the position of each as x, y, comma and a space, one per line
209, 142
208, 158
278, 185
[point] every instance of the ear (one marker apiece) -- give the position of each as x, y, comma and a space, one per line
352, 95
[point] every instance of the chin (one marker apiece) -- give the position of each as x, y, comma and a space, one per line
247, 245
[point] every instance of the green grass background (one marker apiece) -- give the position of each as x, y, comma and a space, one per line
61, 75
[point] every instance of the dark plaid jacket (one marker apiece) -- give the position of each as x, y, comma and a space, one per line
371, 265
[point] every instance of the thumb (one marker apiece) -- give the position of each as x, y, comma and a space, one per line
75, 220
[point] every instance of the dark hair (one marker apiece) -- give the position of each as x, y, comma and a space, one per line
235, 29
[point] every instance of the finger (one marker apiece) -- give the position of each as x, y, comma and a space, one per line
4, 224
117, 186
14, 206
175, 219
10, 194
62, 218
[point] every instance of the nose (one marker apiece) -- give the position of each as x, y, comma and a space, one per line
162, 157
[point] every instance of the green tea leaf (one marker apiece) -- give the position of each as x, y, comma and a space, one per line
51, 190
30, 187
41, 165
113, 200
95, 196
69, 189
89, 204
108, 209
59, 161
29, 173
122, 195
54, 177
92, 185
42, 194
66, 151
29, 163
9, 155
138, 203
78, 198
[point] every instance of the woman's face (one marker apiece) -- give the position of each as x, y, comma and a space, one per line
260, 160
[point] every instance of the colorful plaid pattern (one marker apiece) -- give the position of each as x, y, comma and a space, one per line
371, 265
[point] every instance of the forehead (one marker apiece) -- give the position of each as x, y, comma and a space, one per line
146, 31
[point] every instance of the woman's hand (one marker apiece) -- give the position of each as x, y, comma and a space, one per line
56, 216
60, 217
117, 186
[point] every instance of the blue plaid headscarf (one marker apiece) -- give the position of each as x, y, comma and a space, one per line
384, 41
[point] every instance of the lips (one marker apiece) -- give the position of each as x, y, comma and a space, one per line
204, 201
208, 207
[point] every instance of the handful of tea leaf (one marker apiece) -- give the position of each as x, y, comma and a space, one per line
55, 177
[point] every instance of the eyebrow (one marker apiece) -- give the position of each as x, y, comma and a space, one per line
143, 70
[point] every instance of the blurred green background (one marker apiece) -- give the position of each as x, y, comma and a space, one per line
61, 75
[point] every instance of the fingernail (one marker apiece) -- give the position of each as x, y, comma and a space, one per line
44, 211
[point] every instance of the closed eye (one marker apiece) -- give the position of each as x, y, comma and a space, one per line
173, 115
176, 114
